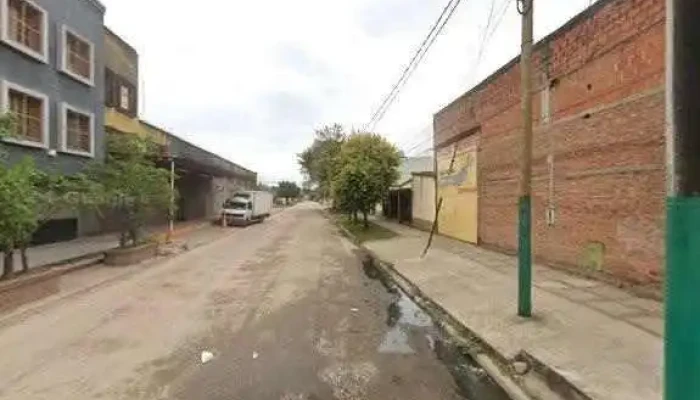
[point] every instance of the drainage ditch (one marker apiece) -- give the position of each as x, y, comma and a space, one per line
406, 319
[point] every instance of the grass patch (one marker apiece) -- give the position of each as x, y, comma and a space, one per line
373, 232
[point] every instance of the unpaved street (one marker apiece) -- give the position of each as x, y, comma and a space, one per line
284, 307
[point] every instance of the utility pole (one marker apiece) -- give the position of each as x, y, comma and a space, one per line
525, 200
171, 214
682, 334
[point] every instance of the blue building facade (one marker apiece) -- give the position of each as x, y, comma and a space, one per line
52, 81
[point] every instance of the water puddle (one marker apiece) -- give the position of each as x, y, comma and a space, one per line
395, 342
408, 325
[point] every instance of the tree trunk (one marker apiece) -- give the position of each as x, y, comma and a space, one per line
3, 271
25, 259
8, 264
133, 235
354, 216
364, 219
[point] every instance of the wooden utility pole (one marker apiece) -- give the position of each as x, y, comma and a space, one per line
682, 333
171, 213
525, 8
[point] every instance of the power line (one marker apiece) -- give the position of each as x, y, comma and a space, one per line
435, 31
494, 20
495, 17
419, 145
418, 137
432, 40
488, 35
411, 63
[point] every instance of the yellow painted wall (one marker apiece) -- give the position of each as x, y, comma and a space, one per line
125, 124
458, 188
156, 134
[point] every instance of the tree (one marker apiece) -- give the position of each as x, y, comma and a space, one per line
17, 211
7, 129
263, 187
52, 193
367, 167
132, 184
29, 198
17, 201
319, 162
288, 190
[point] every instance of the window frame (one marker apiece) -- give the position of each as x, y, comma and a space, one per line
63, 54
6, 86
122, 89
65, 107
5, 31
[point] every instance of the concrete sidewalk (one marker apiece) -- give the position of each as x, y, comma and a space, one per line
605, 341
57, 253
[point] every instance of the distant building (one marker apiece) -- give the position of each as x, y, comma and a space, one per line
52, 80
423, 200
411, 165
411, 198
203, 179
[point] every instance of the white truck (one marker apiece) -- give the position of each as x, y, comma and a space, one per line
246, 207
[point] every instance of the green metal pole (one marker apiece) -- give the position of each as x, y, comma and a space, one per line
525, 201
525, 257
682, 334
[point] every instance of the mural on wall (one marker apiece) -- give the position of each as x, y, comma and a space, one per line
463, 172
458, 187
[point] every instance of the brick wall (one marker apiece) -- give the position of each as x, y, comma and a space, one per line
598, 145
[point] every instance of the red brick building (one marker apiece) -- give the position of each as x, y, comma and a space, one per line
598, 167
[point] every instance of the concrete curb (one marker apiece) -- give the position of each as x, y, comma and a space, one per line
499, 367
58, 268
52, 270
29, 308
38, 285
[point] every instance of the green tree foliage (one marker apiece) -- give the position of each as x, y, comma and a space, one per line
265, 188
7, 128
288, 190
18, 201
319, 162
30, 197
367, 167
133, 185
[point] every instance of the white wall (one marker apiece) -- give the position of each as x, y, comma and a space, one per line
423, 198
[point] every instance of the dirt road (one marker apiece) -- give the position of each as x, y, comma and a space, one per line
284, 307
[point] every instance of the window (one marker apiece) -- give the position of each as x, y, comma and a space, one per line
120, 94
30, 110
78, 131
78, 60
234, 205
124, 100
24, 27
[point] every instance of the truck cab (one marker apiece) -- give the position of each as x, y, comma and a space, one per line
237, 210
246, 207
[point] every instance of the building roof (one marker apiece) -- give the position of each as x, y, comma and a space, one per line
182, 149
122, 42
98, 5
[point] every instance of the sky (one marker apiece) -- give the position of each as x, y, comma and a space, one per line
252, 80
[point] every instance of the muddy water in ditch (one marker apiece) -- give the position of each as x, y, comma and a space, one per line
407, 322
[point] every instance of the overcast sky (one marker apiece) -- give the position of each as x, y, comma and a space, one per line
251, 80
